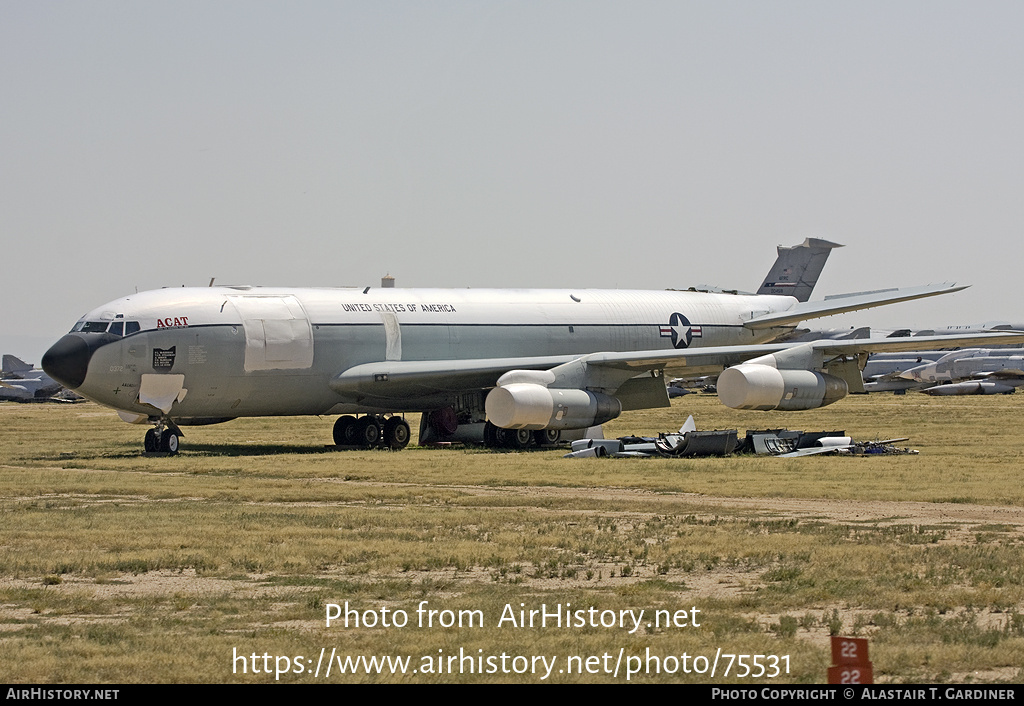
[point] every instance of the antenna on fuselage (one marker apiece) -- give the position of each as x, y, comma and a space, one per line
211, 280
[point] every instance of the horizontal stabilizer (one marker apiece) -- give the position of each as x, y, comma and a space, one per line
840, 305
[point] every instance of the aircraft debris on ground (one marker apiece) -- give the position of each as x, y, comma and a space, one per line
690, 443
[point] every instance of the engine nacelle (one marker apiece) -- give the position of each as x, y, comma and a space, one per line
753, 386
525, 405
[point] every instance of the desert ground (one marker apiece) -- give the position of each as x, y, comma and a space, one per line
222, 564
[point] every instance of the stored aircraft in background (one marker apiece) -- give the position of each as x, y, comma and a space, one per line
22, 381
883, 371
512, 366
971, 371
957, 330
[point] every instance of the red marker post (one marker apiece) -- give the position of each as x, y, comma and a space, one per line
850, 663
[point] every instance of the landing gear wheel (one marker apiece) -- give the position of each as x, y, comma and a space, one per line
396, 433
169, 442
501, 437
367, 432
547, 437
518, 439
491, 436
151, 443
343, 430
444, 421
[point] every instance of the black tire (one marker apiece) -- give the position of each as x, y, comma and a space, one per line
169, 442
500, 437
150, 442
444, 421
396, 433
547, 437
367, 432
491, 436
518, 439
343, 430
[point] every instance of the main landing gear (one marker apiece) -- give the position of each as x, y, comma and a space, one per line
518, 439
372, 431
163, 438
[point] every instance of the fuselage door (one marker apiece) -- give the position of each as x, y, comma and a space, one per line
277, 332
392, 336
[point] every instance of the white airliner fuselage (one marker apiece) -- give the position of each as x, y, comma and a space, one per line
274, 351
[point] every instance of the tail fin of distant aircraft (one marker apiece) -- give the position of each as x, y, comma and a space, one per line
797, 268
14, 364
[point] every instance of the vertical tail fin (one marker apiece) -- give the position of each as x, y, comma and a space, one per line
14, 364
797, 268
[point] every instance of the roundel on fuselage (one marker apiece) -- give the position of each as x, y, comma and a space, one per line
680, 330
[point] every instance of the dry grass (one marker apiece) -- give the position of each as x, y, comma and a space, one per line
117, 567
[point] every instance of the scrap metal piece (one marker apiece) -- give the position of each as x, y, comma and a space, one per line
698, 443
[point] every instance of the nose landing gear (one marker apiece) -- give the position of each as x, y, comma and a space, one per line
163, 438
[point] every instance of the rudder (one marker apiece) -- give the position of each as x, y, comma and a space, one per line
797, 268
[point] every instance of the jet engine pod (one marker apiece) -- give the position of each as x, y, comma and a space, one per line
529, 406
752, 386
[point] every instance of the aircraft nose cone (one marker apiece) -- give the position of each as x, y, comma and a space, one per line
916, 374
67, 361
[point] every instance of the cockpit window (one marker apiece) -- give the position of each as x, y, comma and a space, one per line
118, 328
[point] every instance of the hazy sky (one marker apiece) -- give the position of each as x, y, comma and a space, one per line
510, 144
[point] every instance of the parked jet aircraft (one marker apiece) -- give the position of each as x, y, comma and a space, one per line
971, 371
953, 330
21, 381
526, 360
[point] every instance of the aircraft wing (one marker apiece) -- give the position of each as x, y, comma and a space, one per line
702, 360
409, 379
843, 303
